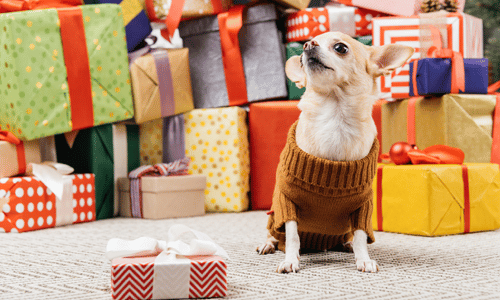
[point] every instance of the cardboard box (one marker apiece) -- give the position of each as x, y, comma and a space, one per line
9, 160
43, 95
27, 204
262, 53
161, 84
166, 197
460, 32
433, 200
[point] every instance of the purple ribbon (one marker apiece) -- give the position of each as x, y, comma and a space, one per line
173, 138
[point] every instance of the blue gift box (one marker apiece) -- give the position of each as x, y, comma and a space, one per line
137, 25
434, 76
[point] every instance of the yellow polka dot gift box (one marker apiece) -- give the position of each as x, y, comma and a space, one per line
63, 70
216, 140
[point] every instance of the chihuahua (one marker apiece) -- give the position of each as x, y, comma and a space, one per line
335, 124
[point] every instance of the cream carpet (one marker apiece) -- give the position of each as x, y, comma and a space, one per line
68, 263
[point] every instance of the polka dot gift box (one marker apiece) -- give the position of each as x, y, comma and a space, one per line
306, 24
26, 204
63, 70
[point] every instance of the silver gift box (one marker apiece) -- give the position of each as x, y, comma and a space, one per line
261, 49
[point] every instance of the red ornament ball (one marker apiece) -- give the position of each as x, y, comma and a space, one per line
399, 153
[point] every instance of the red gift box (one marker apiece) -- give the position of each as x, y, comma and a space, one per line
27, 204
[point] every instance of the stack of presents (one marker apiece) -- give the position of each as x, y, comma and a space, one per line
102, 102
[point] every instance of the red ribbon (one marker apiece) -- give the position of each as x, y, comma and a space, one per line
21, 156
20, 5
230, 23
495, 146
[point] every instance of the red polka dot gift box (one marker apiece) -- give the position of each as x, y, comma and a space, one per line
26, 204
306, 24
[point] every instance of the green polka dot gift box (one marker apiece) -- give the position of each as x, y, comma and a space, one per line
63, 70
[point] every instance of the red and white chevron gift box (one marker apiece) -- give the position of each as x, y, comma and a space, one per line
461, 33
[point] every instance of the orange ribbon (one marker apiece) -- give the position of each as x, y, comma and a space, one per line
230, 23
495, 146
21, 156
457, 61
20, 5
437, 154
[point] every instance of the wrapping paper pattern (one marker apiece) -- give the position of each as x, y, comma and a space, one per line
429, 199
217, 142
190, 276
34, 78
27, 204
192, 8
306, 24
394, 7
151, 142
460, 32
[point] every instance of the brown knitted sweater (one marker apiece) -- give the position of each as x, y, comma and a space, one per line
328, 199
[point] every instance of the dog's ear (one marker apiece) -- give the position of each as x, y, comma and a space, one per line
385, 59
294, 71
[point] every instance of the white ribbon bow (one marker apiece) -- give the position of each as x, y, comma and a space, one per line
173, 246
160, 41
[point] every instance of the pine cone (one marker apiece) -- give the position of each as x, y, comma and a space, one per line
450, 5
430, 6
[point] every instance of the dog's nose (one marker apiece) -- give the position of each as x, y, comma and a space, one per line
311, 44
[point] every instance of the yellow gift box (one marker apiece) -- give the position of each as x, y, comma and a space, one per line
435, 200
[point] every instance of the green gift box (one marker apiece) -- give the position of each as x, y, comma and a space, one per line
63, 70
109, 151
296, 48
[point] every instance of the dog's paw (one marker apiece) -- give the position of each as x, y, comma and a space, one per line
289, 266
266, 248
369, 266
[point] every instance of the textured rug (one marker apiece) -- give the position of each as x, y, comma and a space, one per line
68, 263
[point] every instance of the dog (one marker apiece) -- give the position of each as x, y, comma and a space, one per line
323, 197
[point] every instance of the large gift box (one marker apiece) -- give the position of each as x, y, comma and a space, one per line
396, 7
191, 8
109, 151
306, 24
269, 123
460, 32
16, 154
249, 64
28, 204
166, 197
456, 120
437, 200
216, 140
161, 83
137, 26
63, 70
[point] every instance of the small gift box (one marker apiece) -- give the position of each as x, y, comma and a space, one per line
109, 151
306, 24
170, 269
268, 123
435, 200
16, 154
395, 7
460, 33
297, 4
160, 192
235, 65
161, 83
27, 203
71, 75
191, 8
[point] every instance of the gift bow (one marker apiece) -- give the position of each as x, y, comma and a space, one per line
20, 5
457, 61
202, 244
437, 154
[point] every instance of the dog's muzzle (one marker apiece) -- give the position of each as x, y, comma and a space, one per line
313, 60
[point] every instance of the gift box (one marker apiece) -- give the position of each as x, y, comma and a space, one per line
456, 120
306, 24
434, 76
297, 4
166, 197
161, 83
48, 90
15, 154
109, 151
269, 123
435, 200
235, 73
137, 26
191, 8
460, 32
395, 7
28, 204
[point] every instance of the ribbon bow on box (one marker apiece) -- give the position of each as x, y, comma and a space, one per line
403, 153
167, 250
20, 5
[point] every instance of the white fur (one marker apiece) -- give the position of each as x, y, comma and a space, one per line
336, 122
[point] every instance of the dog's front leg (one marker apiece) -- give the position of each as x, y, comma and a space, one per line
292, 247
359, 246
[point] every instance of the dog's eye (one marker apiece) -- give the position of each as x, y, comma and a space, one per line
340, 48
